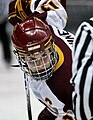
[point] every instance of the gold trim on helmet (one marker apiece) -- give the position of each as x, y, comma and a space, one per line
34, 47
48, 41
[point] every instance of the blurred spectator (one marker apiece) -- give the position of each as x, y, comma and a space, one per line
4, 34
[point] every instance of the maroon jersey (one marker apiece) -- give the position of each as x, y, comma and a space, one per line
59, 83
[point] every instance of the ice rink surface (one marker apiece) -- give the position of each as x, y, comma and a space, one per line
12, 94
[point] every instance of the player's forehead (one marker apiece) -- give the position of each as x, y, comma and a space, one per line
35, 54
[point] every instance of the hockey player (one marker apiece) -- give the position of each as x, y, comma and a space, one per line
47, 65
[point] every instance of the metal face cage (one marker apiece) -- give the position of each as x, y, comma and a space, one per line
39, 65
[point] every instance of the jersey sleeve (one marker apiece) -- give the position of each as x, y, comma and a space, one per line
63, 3
56, 14
51, 11
19, 10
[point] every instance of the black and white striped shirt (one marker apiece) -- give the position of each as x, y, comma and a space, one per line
82, 72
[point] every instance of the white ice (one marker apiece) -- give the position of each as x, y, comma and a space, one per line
12, 94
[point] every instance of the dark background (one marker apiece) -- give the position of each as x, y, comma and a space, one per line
78, 11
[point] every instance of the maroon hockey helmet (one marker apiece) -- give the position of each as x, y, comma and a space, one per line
30, 35
35, 47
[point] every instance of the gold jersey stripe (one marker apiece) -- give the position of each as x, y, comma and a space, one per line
61, 57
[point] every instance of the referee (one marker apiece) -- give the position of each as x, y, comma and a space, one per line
82, 72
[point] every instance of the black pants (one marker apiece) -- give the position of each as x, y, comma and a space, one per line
5, 41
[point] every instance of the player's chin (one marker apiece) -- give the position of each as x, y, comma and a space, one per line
42, 74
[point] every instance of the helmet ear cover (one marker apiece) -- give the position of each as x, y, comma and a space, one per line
30, 35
